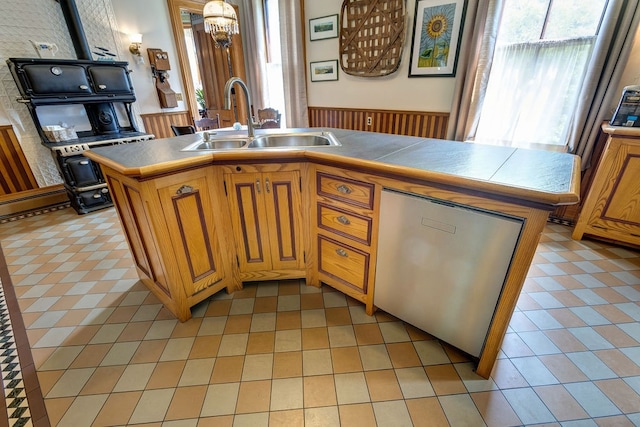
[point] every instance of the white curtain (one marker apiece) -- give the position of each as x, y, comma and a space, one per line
293, 63
534, 110
254, 48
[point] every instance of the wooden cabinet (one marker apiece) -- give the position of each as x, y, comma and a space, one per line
176, 234
266, 216
612, 206
346, 224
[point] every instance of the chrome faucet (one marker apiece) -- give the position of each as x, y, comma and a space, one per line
227, 100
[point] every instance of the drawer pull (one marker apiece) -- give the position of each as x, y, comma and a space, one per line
266, 184
102, 87
96, 196
343, 220
84, 87
344, 189
342, 253
258, 186
185, 189
84, 162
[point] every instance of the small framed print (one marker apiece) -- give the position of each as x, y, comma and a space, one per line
322, 28
437, 30
324, 71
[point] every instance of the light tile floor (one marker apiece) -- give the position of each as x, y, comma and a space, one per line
283, 354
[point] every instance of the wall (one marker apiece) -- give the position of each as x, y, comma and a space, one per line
394, 92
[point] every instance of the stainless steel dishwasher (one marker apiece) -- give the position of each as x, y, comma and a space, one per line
441, 266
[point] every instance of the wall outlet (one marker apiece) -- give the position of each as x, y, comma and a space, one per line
369, 121
178, 96
45, 49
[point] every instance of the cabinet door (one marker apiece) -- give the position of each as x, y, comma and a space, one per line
283, 207
189, 208
249, 219
616, 210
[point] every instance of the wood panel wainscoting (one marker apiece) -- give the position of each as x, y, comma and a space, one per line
159, 124
411, 123
16, 172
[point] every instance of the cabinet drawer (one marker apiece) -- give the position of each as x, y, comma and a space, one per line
344, 223
347, 190
343, 263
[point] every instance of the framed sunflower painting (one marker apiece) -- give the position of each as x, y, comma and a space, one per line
437, 31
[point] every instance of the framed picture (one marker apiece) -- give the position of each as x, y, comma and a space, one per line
437, 29
324, 71
323, 28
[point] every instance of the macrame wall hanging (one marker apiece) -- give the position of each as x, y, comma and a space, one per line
371, 36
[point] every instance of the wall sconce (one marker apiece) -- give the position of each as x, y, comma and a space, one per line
220, 21
136, 44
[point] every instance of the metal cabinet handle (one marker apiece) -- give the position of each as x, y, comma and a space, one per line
96, 196
84, 162
266, 184
342, 253
344, 189
84, 87
258, 185
185, 189
343, 220
102, 87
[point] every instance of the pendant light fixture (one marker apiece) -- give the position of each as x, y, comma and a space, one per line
221, 21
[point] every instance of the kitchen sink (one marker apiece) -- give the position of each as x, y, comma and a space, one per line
218, 144
294, 140
211, 142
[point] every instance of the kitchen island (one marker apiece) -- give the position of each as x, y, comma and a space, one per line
201, 222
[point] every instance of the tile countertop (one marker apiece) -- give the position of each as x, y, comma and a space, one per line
534, 176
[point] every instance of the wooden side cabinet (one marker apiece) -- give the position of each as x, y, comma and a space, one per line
612, 206
266, 218
176, 235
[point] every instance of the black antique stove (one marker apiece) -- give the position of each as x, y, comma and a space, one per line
102, 88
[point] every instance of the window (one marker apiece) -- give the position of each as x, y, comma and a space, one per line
275, 83
540, 60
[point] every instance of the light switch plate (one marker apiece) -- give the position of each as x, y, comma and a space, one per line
45, 49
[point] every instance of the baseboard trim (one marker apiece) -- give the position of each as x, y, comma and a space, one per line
32, 202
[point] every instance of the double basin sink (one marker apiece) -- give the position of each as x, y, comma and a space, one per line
212, 141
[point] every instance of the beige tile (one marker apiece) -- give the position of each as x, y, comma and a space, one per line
351, 388
227, 369
233, 345
313, 318
374, 357
197, 372
287, 364
495, 409
117, 409
286, 393
263, 322
322, 417
83, 410
393, 332
392, 413
341, 336
562, 368
149, 351
220, 400
414, 383
135, 377
316, 362
288, 340
71, 383
460, 410
254, 396
319, 390
257, 367
152, 406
